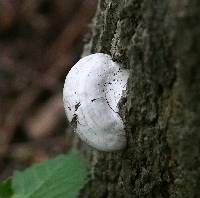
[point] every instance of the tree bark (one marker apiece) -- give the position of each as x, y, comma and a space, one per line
159, 41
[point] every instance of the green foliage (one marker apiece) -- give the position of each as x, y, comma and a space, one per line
61, 177
6, 189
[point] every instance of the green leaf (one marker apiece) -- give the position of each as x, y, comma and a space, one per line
61, 177
6, 189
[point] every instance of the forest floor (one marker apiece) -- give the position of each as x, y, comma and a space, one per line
39, 42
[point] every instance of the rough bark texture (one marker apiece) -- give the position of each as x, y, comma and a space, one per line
159, 41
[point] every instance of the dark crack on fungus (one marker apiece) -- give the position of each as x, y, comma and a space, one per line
77, 106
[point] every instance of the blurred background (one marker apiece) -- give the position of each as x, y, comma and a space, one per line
40, 41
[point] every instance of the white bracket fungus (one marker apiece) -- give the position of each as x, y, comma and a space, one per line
92, 90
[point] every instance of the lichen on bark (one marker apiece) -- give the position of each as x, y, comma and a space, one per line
159, 42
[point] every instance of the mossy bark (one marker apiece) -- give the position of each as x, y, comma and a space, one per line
159, 41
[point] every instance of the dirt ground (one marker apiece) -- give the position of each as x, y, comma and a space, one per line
39, 42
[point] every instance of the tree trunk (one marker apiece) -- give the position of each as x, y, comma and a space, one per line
159, 41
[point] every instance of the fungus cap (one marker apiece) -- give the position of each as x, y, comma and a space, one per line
92, 90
